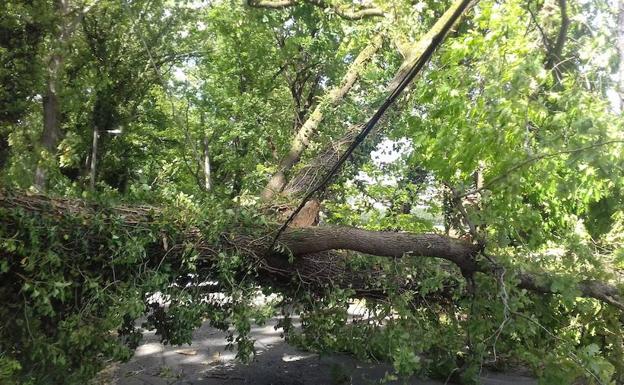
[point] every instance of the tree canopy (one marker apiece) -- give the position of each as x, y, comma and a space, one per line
456, 167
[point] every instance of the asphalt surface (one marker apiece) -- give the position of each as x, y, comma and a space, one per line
207, 362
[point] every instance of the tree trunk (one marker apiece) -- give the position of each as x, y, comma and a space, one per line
313, 172
68, 19
51, 116
94, 154
207, 177
620, 48
51, 134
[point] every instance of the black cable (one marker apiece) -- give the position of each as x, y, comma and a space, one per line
370, 124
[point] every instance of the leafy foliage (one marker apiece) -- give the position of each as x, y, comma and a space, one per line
492, 144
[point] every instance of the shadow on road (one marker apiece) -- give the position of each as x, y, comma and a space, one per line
207, 362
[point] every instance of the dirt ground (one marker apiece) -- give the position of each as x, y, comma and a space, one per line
207, 362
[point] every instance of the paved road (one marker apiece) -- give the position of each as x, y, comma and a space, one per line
207, 362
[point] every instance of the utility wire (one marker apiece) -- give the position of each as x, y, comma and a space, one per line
424, 57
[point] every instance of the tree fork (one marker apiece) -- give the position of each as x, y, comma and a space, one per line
301, 140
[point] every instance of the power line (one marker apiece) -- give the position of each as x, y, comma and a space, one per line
424, 57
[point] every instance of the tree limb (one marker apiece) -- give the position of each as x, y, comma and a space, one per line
380, 243
362, 13
556, 50
301, 140
587, 288
396, 245
534, 159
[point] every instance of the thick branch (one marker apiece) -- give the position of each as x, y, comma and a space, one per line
394, 244
588, 288
555, 52
436, 33
306, 178
381, 243
301, 140
348, 14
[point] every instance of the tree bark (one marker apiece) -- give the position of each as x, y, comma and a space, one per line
308, 176
380, 243
94, 153
207, 177
51, 134
301, 141
51, 101
620, 48
349, 14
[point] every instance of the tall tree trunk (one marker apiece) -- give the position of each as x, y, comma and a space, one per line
68, 19
207, 177
51, 113
620, 48
94, 154
51, 134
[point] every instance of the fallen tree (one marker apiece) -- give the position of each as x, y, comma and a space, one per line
77, 274
310, 259
303, 246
